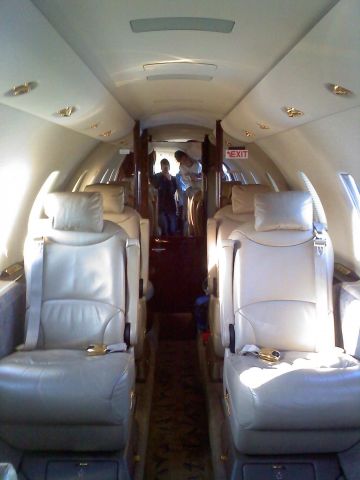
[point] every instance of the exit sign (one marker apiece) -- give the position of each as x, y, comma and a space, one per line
234, 153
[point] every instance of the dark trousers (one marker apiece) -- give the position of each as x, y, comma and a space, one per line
167, 223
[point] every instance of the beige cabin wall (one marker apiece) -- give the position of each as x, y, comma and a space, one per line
93, 165
322, 149
30, 149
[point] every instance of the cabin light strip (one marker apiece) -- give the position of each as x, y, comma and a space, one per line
143, 25
210, 67
179, 76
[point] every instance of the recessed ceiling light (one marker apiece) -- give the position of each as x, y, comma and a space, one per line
143, 25
179, 76
106, 134
21, 89
66, 111
292, 112
248, 133
337, 89
263, 126
183, 64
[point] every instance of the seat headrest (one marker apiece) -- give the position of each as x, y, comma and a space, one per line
243, 197
78, 212
283, 211
113, 196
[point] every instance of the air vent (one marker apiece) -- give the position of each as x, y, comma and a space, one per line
181, 23
179, 76
180, 66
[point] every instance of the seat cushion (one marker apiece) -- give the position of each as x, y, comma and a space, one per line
66, 387
302, 392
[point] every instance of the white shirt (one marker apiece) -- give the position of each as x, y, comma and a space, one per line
186, 172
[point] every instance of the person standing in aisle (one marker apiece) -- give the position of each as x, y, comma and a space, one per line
165, 184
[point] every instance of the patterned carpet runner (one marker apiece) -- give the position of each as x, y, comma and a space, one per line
178, 447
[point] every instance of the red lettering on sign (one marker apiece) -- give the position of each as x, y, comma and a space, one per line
237, 154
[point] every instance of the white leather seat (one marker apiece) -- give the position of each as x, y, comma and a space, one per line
136, 227
53, 395
219, 228
127, 218
275, 292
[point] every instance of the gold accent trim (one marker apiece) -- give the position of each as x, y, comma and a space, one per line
263, 126
293, 112
22, 89
66, 111
269, 355
96, 349
339, 90
94, 125
248, 133
106, 134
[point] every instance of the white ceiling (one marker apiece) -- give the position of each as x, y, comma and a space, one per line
84, 53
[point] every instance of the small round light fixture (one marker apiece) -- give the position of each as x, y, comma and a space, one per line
66, 112
263, 126
293, 112
106, 134
248, 133
337, 89
22, 89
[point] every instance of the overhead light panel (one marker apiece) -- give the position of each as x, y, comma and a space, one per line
22, 89
293, 112
263, 126
66, 112
180, 66
143, 25
248, 133
108, 133
179, 76
337, 89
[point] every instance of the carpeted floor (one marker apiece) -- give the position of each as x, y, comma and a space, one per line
178, 446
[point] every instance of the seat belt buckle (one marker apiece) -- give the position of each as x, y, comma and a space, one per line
269, 355
266, 354
97, 349
320, 245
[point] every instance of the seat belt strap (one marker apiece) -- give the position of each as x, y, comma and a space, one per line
35, 295
321, 287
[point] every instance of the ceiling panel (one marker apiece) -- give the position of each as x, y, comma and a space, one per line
32, 50
329, 53
100, 33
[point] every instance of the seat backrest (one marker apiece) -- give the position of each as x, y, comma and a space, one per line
85, 290
227, 219
127, 218
276, 284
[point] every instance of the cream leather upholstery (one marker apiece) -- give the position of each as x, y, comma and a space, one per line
127, 218
55, 396
308, 401
219, 228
